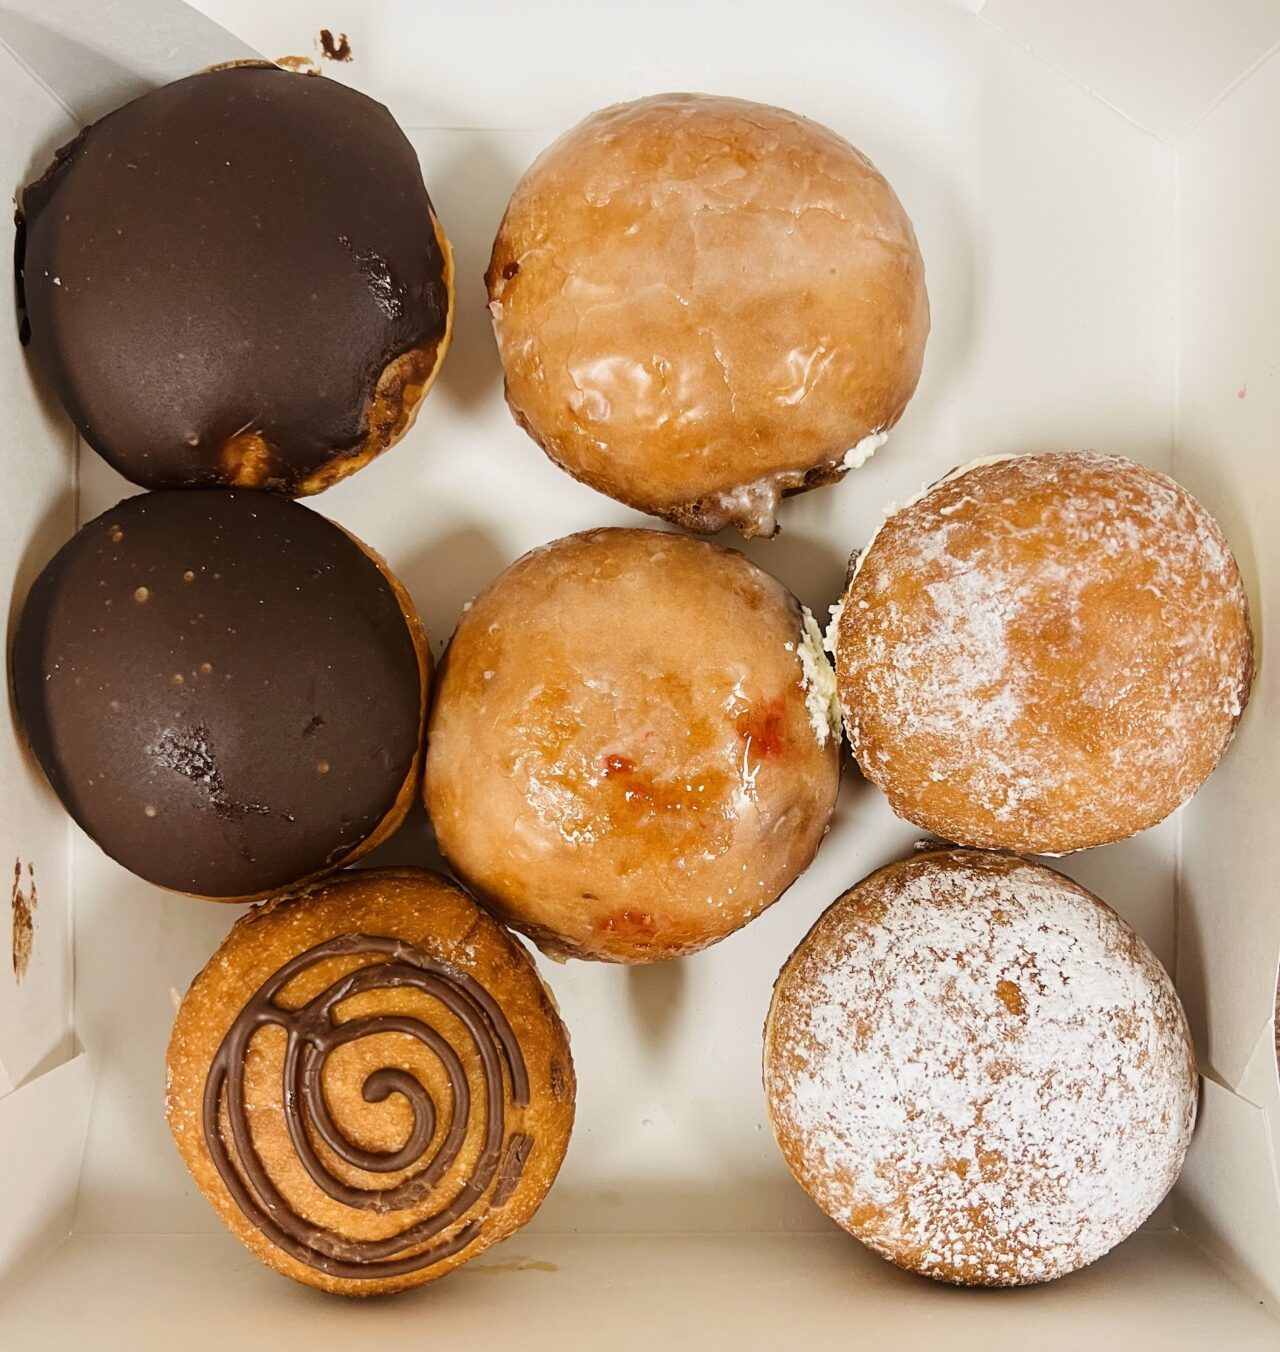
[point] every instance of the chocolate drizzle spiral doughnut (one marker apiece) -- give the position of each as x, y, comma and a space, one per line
387, 1100
312, 1035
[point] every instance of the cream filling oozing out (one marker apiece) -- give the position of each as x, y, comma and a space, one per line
858, 455
753, 507
819, 679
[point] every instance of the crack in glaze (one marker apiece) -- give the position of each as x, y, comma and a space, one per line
190, 755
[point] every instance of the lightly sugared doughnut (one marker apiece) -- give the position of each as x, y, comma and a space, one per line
370, 1083
634, 747
978, 1069
226, 690
1043, 653
704, 304
237, 279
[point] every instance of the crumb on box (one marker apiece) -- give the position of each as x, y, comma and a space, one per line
334, 47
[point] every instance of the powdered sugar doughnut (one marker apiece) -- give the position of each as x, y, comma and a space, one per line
1044, 653
977, 1068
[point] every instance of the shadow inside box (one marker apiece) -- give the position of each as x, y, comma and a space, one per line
470, 191
55, 527
447, 573
656, 993
801, 556
413, 844
856, 790
749, 1200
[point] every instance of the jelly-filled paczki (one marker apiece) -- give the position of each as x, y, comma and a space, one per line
634, 745
225, 689
237, 279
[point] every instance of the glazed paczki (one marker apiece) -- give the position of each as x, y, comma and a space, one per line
633, 748
704, 304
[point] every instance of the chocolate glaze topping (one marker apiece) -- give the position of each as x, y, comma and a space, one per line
238, 253
312, 1034
222, 688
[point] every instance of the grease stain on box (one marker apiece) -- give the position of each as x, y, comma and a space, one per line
22, 902
334, 47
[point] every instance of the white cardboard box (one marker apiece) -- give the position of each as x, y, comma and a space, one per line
1096, 188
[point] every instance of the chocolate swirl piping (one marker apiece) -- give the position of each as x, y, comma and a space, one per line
312, 1036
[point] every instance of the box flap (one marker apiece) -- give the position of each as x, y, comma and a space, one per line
1228, 436
1161, 63
94, 57
39, 506
1226, 1196
38, 1182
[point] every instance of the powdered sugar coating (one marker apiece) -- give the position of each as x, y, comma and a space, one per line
1044, 653
977, 1068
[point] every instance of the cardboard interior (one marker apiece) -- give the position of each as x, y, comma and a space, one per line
1098, 232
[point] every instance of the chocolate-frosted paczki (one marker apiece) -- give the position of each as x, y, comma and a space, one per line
238, 279
225, 689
